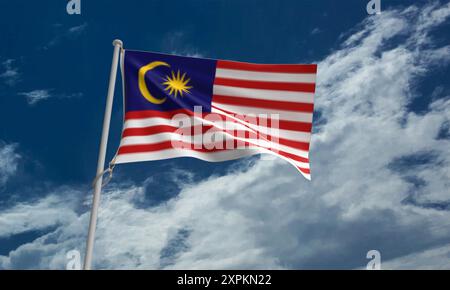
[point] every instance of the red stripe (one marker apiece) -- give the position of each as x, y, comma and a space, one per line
295, 144
304, 170
267, 104
294, 126
219, 146
127, 149
129, 132
294, 157
152, 130
279, 86
280, 68
282, 124
145, 147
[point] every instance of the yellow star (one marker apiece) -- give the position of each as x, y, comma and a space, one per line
177, 84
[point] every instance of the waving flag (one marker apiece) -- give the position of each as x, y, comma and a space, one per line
215, 110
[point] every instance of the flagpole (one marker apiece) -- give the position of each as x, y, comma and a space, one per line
101, 157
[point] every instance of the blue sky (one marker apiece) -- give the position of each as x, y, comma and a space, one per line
380, 162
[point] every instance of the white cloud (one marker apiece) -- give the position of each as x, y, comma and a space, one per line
175, 42
78, 29
69, 33
380, 181
9, 159
46, 212
316, 30
433, 259
9, 73
36, 96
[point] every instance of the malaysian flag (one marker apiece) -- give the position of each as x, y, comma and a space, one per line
215, 110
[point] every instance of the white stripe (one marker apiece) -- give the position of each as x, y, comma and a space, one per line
286, 96
206, 156
174, 153
157, 121
283, 115
307, 176
204, 139
265, 76
189, 121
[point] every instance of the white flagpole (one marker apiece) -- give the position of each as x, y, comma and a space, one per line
101, 157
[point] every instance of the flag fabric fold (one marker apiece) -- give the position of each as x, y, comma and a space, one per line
215, 110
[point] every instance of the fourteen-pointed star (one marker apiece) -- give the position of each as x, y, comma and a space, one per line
177, 84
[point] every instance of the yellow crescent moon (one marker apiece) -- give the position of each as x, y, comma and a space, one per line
143, 86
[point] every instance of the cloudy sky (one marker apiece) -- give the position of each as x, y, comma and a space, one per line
380, 157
